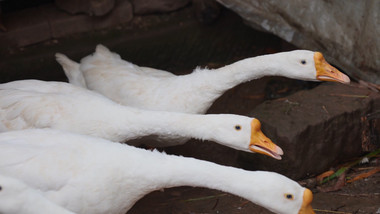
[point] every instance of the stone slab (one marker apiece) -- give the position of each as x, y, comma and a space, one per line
24, 27
316, 128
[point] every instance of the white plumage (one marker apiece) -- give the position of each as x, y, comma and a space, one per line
85, 174
37, 104
153, 89
18, 198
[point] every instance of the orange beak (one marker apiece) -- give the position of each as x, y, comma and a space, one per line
262, 144
326, 72
306, 204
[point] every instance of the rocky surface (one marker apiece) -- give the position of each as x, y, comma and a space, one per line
90, 7
152, 6
203, 45
316, 128
174, 42
345, 31
206, 11
177, 42
43, 23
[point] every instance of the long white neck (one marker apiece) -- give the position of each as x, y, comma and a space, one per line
218, 81
247, 69
250, 68
131, 123
171, 171
179, 171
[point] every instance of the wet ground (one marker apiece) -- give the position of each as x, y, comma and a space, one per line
177, 42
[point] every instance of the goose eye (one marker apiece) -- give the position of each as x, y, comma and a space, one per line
303, 62
289, 196
237, 127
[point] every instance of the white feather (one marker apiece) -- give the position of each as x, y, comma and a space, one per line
153, 89
18, 198
37, 104
91, 175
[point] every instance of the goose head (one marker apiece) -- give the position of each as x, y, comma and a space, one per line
291, 200
260, 143
236, 129
308, 65
280, 194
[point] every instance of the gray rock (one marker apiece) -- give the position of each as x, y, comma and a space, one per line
347, 32
143, 7
316, 129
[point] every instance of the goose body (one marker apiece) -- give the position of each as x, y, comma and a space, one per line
28, 104
85, 174
153, 89
18, 198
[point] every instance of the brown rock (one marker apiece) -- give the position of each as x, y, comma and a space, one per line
63, 24
90, 7
142, 7
25, 27
206, 11
122, 13
315, 128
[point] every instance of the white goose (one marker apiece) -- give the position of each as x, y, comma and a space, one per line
18, 198
92, 175
148, 88
39, 104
